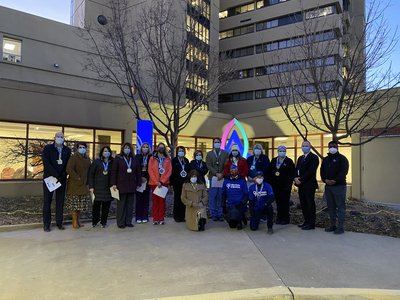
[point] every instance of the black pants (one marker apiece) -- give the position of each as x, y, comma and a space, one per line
179, 207
125, 209
256, 215
47, 198
282, 198
307, 201
104, 207
142, 204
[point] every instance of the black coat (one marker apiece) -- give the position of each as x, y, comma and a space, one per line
144, 168
201, 168
126, 182
261, 164
176, 178
286, 174
335, 167
50, 156
306, 169
100, 182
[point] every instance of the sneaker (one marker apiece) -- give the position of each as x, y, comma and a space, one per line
215, 219
139, 221
339, 231
144, 221
270, 231
162, 223
330, 228
155, 222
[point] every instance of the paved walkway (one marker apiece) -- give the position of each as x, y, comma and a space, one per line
159, 261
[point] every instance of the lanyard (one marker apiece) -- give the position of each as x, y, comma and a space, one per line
255, 160
278, 163
199, 164
59, 149
160, 162
105, 165
130, 162
182, 164
144, 162
258, 192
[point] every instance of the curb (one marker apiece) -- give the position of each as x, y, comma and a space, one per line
295, 293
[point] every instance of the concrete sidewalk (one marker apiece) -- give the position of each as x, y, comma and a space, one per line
161, 261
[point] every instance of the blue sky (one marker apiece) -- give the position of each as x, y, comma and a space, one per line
59, 10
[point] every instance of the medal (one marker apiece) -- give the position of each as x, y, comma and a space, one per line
183, 173
252, 168
277, 173
105, 166
128, 164
129, 170
161, 171
105, 172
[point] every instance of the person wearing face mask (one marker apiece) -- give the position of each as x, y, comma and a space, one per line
215, 162
126, 176
261, 197
55, 157
160, 170
199, 165
256, 163
99, 185
306, 181
142, 199
334, 169
280, 176
194, 196
234, 198
236, 159
180, 171
77, 186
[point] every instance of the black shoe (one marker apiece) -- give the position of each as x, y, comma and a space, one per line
278, 221
339, 231
330, 228
202, 222
302, 225
270, 231
285, 223
129, 225
215, 219
61, 227
244, 220
121, 226
308, 227
240, 226
103, 225
46, 229
221, 219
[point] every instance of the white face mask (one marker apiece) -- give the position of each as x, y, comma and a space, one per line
257, 151
259, 180
217, 145
193, 179
333, 150
145, 150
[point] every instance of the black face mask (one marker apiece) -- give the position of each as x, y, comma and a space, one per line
161, 150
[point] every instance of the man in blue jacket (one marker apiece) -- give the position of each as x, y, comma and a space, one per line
261, 197
234, 199
55, 157
333, 171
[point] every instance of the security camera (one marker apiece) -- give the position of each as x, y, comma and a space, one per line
102, 20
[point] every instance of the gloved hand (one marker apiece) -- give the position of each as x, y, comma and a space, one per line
239, 205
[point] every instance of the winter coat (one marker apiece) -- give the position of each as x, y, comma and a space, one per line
99, 181
155, 176
196, 201
78, 169
50, 157
211, 162
261, 164
306, 169
335, 167
176, 179
243, 169
201, 167
265, 197
286, 174
126, 182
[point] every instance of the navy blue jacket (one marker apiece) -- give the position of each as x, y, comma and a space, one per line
335, 167
201, 168
234, 191
266, 196
50, 156
306, 169
286, 174
261, 164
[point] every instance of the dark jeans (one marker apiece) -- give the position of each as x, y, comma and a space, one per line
256, 215
307, 201
282, 198
142, 205
47, 198
125, 209
336, 200
104, 207
179, 207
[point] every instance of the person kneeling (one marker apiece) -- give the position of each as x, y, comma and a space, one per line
234, 198
261, 197
195, 197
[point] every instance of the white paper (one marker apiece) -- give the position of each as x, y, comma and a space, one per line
161, 192
215, 183
92, 196
114, 194
142, 188
51, 183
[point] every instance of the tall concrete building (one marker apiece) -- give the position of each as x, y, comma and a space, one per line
261, 37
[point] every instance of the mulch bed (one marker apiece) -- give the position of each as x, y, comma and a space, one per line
360, 216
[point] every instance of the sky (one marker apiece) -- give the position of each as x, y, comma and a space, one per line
59, 10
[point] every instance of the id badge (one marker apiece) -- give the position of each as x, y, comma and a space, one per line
59, 161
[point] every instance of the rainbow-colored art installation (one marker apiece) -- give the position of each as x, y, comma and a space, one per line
234, 137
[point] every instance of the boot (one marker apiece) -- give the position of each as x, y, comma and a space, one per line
74, 219
78, 218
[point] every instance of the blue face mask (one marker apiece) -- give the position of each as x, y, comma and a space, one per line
305, 149
199, 157
257, 151
282, 154
82, 151
235, 153
106, 154
181, 153
59, 141
127, 151
217, 145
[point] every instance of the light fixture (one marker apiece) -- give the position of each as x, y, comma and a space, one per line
8, 46
56, 65
281, 138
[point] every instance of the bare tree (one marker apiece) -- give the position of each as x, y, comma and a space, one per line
158, 55
333, 81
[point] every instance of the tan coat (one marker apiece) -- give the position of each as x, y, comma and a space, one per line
77, 169
196, 200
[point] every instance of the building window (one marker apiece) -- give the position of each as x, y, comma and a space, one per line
236, 32
247, 73
321, 12
285, 20
11, 50
243, 96
240, 52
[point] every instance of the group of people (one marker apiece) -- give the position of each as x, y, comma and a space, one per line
236, 184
